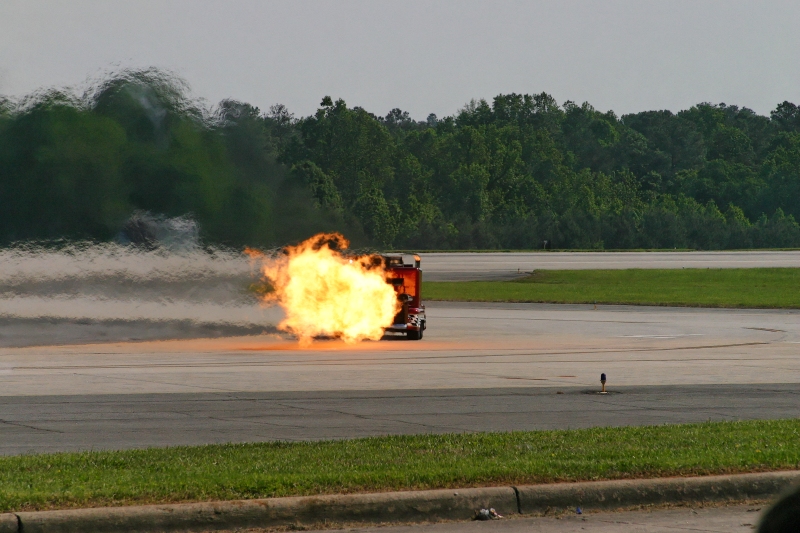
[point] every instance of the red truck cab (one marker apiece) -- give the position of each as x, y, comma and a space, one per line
406, 278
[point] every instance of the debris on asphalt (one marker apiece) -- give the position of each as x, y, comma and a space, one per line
578, 510
487, 514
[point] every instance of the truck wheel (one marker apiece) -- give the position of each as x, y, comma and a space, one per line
414, 335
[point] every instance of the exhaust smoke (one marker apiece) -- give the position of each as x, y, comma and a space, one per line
48, 293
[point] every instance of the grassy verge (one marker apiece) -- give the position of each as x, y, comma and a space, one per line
393, 463
746, 287
573, 250
549, 251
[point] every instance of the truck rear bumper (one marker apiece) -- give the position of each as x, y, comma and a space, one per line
401, 328
415, 323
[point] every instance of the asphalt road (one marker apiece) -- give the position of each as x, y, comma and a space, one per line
80, 422
480, 367
491, 266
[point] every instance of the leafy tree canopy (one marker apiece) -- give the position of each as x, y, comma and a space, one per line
512, 172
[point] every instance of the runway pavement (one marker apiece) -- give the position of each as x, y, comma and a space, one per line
462, 266
480, 367
80, 422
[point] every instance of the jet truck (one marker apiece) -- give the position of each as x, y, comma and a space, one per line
405, 276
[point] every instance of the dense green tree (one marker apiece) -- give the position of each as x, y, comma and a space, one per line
781, 173
786, 117
517, 171
61, 173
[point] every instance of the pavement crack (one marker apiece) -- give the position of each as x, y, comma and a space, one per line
372, 418
18, 424
253, 422
156, 382
413, 360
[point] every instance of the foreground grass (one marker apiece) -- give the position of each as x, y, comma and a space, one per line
746, 287
393, 463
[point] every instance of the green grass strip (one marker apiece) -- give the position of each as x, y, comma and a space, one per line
745, 288
393, 463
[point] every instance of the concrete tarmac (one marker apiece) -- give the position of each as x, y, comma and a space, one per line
464, 266
480, 367
729, 519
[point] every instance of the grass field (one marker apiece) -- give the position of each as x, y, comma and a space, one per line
393, 463
746, 287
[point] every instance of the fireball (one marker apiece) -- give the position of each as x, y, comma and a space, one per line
324, 292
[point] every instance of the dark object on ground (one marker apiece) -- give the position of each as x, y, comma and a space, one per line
783, 516
487, 514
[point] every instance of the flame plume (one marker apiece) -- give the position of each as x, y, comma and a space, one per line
324, 292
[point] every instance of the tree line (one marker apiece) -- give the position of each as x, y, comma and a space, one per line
521, 171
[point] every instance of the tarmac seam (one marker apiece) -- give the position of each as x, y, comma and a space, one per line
18, 424
327, 511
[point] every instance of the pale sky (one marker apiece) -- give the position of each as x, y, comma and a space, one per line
423, 57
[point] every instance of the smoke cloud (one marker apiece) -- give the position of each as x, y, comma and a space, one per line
74, 289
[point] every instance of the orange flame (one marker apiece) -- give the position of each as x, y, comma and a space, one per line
325, 293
